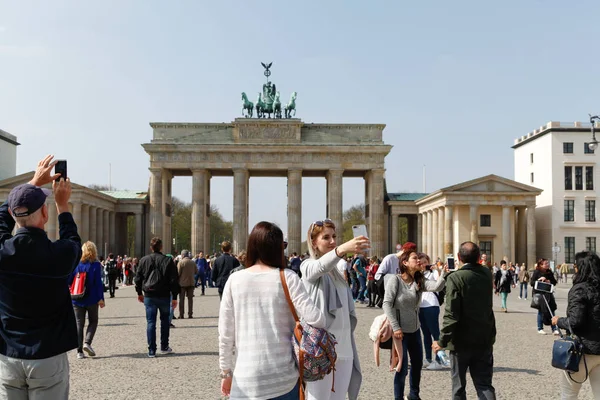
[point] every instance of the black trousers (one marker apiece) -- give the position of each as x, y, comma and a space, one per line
480, 364
92, 312
112, 283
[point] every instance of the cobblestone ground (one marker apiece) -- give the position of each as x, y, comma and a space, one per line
122, 369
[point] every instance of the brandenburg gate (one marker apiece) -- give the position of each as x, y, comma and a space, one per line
265, 147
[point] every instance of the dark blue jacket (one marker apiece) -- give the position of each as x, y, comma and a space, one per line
93, 282
202, 265
36, 313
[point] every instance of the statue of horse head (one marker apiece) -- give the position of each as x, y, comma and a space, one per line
244, 97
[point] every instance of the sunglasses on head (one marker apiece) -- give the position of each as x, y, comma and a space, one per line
320, 223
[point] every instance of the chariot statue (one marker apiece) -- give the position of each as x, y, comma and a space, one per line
268, 101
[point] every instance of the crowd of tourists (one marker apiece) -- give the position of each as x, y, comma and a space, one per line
265, 298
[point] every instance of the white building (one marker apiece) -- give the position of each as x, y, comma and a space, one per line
8, 155
557, 159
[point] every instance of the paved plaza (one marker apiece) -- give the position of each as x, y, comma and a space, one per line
122, 369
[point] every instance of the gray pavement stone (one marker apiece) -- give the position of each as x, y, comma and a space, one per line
122, 369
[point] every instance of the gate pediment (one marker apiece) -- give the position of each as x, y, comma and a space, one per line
267, 131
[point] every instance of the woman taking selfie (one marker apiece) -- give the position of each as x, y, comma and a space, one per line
401, 305
583, 318
543, 273
331, 294
255, 320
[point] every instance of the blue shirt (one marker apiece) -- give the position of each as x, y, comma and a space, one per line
360, 267
202, 265
93, 282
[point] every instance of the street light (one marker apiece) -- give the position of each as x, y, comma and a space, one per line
594, 143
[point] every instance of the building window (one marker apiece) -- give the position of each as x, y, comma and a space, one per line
590, 244
589, 178
568, 147
568, 178
569, 249
590, 210
578, 178
486, 248
569, 210
531, 158
532, 177
485, 220
586, 149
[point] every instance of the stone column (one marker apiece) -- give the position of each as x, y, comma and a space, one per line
52, 224
434, 235
199, 181
521, 235
206, 243
240, 209
430, 234
474, 224
506, 250
420, 230
112, 242
77, 216
156, 220
167, 235
92, 225
105, 232
335, 207
440, 234
294, 211
448, 245
424, 232
99, 229
139, 246
376, 213
394, 218
85, 222
531, 241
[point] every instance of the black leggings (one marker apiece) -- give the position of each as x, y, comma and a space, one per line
80, 312
372, 292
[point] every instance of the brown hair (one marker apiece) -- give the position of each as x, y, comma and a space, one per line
265, 244
418, 276
538, 266
226, 246
313, 233
156, 244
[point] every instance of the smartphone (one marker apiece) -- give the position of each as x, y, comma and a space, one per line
450, 262
544, 287
61, 168
359, 230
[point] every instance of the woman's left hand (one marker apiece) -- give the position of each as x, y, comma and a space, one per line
101, 303
226, 386
555, 320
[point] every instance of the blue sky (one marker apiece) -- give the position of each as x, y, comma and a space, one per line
455, 82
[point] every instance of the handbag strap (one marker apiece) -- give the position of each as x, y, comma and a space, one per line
286, 290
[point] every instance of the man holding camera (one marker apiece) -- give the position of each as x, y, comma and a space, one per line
37, 327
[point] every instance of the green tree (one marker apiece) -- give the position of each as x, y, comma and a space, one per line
355, 215
220, 230
98, 187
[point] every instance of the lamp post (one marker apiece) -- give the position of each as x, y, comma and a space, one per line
593, 145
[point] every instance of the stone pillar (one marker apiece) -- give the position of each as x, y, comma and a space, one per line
448, 245
105, 233
335, 207
167, 235
77, 216
139, 226
240, 209
394, 218
440, 233
474, 223
206, 240
92, 225
156, 220
420, 230
375, 180
531, 242
429, 234
434, 235
52, 224
521, 235
85, 222
294, 211
112, 241
506, 250
424, 232
199, 181
99, 229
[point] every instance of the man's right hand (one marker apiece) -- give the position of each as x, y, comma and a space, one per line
174, 304
141, 298
62, 194
42, 173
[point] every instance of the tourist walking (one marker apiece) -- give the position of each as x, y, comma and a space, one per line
564, 273
186, 269
246, 311
330, 292
93, 299
223, 266
37, 324
202, 267
543, 273
401, 304
157, 286
113, 273
469, 326
371, 288
583, 319
502, 282
359, 268
429, 313
523, 281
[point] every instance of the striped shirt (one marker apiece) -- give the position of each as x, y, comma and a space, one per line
255, 319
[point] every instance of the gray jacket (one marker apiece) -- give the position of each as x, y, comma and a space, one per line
321, 289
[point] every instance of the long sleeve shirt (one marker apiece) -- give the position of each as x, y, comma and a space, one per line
255, 319
93, 282
389, 265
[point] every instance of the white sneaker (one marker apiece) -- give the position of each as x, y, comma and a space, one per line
80, 356
426, 364
519, 297
168, 350
88, 349
556, 333
434, 366
541, 332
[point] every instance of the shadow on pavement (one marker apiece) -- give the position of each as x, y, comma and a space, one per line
196, 326
145, 355
117, 324
519, 370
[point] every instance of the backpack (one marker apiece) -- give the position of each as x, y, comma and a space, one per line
111, 267
79, 287
314, 348
153, 282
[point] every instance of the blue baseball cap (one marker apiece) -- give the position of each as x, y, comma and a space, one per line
27, 196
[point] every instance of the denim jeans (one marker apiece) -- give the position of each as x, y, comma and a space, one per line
503, 296
430, 326
354, 287
522, 289
363, 287
480, 364
293, 394
540, 322
413, 346
154, 305
201, 280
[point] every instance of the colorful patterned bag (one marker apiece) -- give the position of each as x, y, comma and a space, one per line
314, 348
